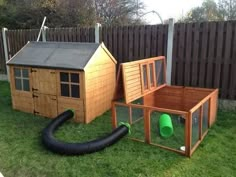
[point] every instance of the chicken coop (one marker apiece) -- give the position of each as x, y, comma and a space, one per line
175, 118
47, 78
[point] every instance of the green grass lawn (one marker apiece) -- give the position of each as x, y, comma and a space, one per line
22, 154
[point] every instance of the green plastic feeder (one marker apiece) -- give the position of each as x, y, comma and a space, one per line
166, 127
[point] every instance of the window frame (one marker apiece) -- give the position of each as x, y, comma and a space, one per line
152, 64
21, 78
144, 89
69, 83
153, 75
162, 67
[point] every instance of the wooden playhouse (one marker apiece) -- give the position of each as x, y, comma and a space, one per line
142, 97
49, 77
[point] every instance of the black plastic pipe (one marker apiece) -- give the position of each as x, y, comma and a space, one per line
78, 148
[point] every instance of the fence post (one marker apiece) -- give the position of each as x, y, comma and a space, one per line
170, 50
44, 32
4, 39
97, 28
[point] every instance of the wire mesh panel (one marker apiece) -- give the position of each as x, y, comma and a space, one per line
138, 101
195, 126
122, 114
137, 114
160, 123
137, 126
205, 117
134, 116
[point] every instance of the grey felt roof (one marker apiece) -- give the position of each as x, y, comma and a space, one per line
67, 55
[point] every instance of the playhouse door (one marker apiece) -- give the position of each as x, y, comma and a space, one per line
44, 92
45, 105
44, 81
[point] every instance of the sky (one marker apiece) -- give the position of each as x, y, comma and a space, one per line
168, 9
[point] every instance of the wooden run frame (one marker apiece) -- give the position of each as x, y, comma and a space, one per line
148, 110
198, 97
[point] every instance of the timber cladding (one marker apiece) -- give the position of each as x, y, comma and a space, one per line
85, 84
99, 84
44, 96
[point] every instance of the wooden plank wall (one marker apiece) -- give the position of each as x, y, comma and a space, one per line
204, 55
129, 43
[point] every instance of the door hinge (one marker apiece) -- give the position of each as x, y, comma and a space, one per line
35, 96
34, 89
33, 70
36, 112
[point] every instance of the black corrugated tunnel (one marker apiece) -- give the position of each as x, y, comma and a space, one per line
78, 148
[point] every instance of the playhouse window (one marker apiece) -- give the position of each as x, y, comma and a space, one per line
21, 77
70, 84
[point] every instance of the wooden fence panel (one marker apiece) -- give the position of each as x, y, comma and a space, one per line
129, 43
18, 38
232, 80
195, 52
204, 55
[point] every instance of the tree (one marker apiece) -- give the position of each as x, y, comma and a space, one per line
208, 11
118, 12
227, 9
61, 13
76, 12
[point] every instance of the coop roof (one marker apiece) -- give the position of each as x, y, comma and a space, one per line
65, 55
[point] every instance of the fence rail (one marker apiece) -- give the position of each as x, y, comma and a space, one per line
204, 54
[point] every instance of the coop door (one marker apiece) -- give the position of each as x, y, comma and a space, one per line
44, 81
45, 105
